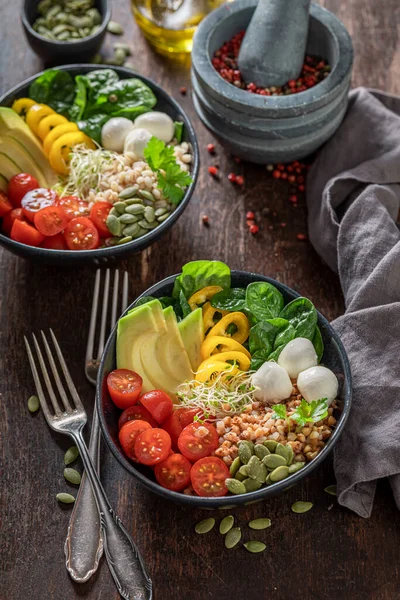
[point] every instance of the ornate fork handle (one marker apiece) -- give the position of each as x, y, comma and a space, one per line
123, 558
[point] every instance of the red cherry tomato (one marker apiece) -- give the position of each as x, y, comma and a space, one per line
9, 218
35, 200
177, 421
208, 477
81, 234
158, 403
99, 214
124, 387
50, 220
152, 446
55, 242
174, 472
198, 440
136, 412
5, 204
128, 434
74, 207
19, 185
26, 234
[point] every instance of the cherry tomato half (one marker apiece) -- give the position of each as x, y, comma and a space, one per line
99, 214
128, 434
136, 412
19, 185
9, 218
158, 403
174, 472
25, 233
208, 477
81, 234
74, 207
55, 242
35, 200
124, 387
198, 440
177, 421
5, 204
152, 446
50, 220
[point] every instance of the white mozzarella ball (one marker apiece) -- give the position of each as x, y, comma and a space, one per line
317, 383
136, 141
114, 132
158, 124
297, 356
272, 383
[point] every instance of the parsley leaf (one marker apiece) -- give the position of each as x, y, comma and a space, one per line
312, 412
279, 411
157, 154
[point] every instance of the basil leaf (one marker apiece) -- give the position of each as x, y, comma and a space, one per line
199, 274
302, 314
55, 88
318, 344
263, 300
233, 299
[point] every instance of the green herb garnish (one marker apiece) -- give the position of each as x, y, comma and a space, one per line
279, 411
161, 157
310, 412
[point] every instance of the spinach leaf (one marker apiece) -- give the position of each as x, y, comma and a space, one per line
275, 354
144, 300
258, 359
285, 332
178, 131
318, 343
184, 304
233, 299
55, 88
261, 343
263, 300
302, 315
78, 108
201, 273
93, 125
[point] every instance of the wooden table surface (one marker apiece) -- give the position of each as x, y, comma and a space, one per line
323, 555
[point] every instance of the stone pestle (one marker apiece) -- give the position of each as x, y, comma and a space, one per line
273, 48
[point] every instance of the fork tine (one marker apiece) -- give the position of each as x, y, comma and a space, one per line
125, 293
68, 378
104, 315
47, 378
93, 317
37, 381
57, 379
115, 299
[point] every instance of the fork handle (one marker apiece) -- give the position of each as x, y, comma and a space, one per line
84, 543
123, 558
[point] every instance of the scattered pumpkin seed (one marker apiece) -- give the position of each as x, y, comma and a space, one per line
71, 455
255, 546
271, 445
235, 486
129, 65
124, 47
232, 538
65, 498
260, 451
235, 466
115, 28
204, 526
226, 524
273, 461
72, 475
301, 507
279, 473
33, 404
260, 524
296, 466
331, 489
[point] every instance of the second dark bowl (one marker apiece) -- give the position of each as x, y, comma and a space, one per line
334, 357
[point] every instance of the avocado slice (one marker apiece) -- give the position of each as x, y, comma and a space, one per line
17, 153
191, 329
3, 184
171, 352
8, 168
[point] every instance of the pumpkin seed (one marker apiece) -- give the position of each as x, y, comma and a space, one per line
268, 480
33, 404
279, 473
285, 451
115, 28
226, 524
94, 14
255, 546
128, 192
113, 225
331, 489
112, 241
146, 194
163, 218
97, 59
243, 471
71, 455
113, 212
120, 207
132, 229
146, 225
256, 469
240, 477
64, 36
245, 452
235, 486
72, 475
296, 466
149, 214
65, 498
271, 445
272, 461
160, 212
252, 485
232, 538
235, 466
140, 233
125, 240
127, 219
124, 47
291, 455
301, 507
260, 524
118, 58
260, 451
134, 209
133, 201
204, 526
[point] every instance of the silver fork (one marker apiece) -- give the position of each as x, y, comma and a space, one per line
123, 558
84, 544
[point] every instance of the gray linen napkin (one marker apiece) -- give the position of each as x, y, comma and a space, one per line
353, 199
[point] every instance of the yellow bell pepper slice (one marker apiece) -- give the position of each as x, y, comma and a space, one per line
35, 114
234, 318
212, 346
22, 105
209, 313
211, 371
48, 123
241, 361
61, 149
57, 132
200, 297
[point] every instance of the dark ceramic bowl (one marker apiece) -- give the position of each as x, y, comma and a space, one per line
58, 52
334, 357
101, 256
